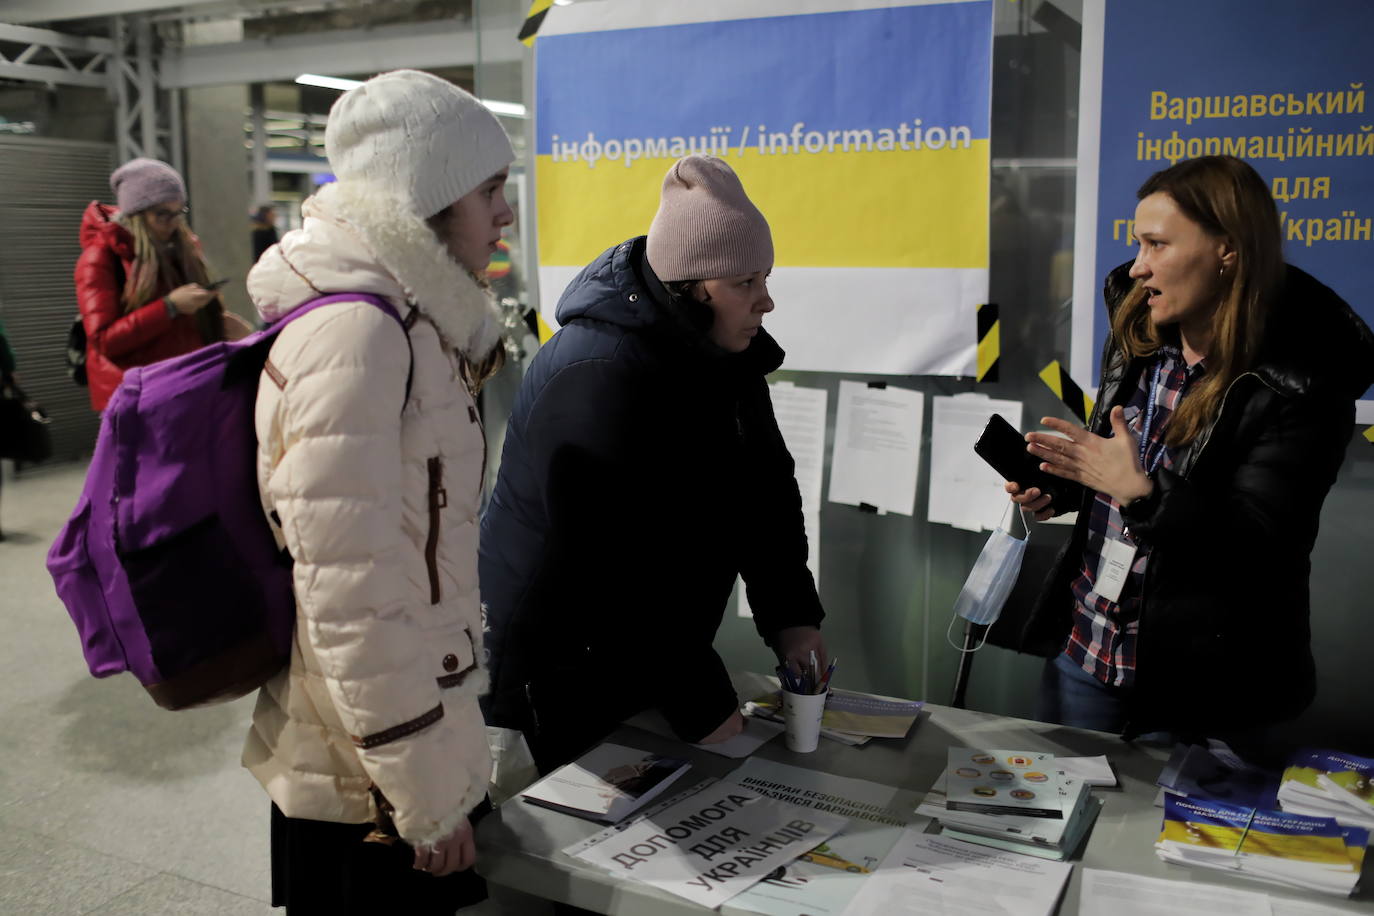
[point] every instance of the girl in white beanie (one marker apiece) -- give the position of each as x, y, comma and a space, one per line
371, 452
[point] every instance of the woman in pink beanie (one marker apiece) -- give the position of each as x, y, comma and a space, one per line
642, 472
141, 279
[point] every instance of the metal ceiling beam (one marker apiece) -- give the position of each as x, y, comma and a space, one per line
85, 66
24, 11
353, 51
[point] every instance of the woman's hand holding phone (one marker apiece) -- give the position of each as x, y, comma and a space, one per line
1031, 500
190, 298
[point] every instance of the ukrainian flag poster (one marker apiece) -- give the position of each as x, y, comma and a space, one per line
860, 129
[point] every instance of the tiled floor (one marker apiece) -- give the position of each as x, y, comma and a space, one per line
108, 804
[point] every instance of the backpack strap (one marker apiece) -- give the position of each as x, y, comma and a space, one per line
253, 360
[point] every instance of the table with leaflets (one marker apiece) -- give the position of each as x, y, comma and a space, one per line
521, 845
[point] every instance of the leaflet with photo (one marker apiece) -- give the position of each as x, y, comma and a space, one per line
607, 783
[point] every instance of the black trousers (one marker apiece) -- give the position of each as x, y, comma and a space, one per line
320, 867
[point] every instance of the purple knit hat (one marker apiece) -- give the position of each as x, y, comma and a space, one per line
142, 183
706, 226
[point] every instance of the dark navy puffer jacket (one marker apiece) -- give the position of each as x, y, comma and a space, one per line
1224, 640
642, 472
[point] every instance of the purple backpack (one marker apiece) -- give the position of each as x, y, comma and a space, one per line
168, 565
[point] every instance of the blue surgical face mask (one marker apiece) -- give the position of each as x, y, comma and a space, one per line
991, 579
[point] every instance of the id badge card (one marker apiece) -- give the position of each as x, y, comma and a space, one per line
1117, 557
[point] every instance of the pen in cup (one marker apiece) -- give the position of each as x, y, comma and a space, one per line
825, 679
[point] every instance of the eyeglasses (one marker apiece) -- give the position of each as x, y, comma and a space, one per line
166, 216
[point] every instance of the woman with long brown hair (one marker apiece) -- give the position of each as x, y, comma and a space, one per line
142, 284
1225, 406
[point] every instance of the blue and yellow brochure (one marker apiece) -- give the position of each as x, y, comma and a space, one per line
1330, 784
1313, 853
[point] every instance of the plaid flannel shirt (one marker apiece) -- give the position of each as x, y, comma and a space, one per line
1103, 639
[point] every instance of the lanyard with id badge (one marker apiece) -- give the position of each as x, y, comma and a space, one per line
1118, 556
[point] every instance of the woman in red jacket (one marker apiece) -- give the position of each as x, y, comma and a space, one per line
141, 280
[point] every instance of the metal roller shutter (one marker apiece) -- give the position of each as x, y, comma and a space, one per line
44, 187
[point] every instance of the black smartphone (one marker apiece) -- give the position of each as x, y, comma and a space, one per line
1004, 448
215, 284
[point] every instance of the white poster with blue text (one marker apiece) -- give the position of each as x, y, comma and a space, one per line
1281, 85
860, 128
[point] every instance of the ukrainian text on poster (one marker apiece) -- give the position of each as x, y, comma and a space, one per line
1298, 111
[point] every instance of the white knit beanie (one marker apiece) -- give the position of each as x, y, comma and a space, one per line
418, 135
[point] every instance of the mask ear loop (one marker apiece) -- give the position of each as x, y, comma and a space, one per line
1001, 526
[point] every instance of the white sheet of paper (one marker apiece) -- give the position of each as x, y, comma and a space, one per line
964, 490
1115, 893
931, 875
877, 453
1095, 771
801, 420
749, 837
756, 733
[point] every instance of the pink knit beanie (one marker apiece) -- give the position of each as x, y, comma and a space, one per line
142, 183
706, 226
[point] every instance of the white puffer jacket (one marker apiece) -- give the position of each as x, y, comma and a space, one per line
378, 506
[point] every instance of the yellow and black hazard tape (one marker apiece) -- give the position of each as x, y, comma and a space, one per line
989, 342
1067, 390
533, 20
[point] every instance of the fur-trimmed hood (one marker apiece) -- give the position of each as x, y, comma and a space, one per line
358, 238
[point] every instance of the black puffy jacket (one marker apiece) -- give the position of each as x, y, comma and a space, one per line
1224, 639
641, 473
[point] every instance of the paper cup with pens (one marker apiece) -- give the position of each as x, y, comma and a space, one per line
803, 704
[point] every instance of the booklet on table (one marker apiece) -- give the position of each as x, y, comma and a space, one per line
1003, 782
1326, 783
1046, 838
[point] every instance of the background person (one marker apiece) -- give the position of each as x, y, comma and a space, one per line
1224, 410
642, 472
371, 455
141, 278
264, 230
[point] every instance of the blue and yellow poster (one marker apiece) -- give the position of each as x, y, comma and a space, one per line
1281, 85
859, 128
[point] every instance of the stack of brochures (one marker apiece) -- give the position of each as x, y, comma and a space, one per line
606, 784
1330, 784
849, 717
1294, 850
1013, 800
